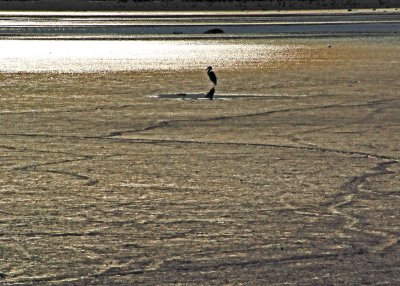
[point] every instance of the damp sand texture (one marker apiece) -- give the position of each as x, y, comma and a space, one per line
103, 184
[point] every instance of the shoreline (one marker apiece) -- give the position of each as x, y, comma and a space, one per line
199, 31
195, 37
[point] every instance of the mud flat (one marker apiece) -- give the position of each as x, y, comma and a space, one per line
102, 184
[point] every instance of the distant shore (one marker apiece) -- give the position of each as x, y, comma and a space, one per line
150, 5
195, 25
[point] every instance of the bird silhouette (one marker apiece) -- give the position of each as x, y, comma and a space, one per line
211, 75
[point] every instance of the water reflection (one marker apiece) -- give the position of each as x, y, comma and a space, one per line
97, 56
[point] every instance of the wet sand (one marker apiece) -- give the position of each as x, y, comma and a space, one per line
103, 184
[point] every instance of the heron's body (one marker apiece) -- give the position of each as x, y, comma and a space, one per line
211, 75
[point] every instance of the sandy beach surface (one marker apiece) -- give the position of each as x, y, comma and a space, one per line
291, 179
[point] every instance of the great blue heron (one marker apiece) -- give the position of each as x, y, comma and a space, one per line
211, 75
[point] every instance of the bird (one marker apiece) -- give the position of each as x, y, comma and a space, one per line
211, 75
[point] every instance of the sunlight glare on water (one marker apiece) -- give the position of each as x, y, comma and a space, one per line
99, 56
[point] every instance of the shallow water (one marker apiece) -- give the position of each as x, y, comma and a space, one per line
114, 56
43, 19
277, 67
123, 25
